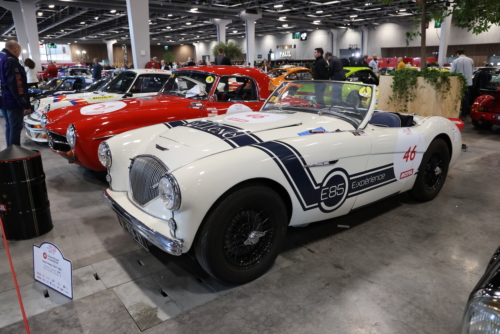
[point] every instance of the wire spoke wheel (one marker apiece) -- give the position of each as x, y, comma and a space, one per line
434, 171
248, 237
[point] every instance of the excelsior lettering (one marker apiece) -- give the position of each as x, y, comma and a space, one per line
368, 181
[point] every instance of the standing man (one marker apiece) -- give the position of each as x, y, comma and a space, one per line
374, 64
96, 71
221, 59
336, 71
465, 66
320, 73
163, 65
364, 62
50, 72
153, 64
15, 99
401, 64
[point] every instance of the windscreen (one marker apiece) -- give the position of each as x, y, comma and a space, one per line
348, 101
51, 85
121, 83
276, 73
189, 84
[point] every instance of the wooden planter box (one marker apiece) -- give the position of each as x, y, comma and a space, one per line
426, 101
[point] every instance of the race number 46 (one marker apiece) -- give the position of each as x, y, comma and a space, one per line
410, 154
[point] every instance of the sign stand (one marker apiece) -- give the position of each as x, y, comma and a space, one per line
26, 326
53, 270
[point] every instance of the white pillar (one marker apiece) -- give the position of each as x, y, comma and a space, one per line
138, 18
221, 29
15, 9
366, 36
444, 40
250, 20
28, 8
109, 45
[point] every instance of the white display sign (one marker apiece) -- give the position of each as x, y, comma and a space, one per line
51, 269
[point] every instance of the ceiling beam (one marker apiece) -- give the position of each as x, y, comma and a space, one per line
66, 19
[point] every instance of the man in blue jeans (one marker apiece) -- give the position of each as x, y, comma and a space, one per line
15, 102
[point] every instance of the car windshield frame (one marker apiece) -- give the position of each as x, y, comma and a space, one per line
358, 117
108, 87
280, 71
192, 92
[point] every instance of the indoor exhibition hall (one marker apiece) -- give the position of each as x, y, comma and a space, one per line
230, 166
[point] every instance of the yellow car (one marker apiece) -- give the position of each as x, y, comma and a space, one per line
289, 74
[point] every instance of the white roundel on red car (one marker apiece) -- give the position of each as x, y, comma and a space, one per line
253, 117
102, 108
410, 149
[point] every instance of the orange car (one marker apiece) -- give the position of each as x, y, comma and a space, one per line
289, 74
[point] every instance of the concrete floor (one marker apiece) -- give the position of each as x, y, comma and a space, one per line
401, 267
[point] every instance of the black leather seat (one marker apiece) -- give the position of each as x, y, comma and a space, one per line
386, 119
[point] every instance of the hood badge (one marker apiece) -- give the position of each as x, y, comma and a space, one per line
161, 148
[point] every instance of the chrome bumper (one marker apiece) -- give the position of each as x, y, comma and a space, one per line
171, 246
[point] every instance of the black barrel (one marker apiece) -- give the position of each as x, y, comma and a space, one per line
24, 203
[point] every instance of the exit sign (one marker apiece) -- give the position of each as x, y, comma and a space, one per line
296, 35
52, 46
166, 47
437, 24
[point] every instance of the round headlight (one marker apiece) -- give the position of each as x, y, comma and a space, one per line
43, 120
104, 154
169, 192
71, 135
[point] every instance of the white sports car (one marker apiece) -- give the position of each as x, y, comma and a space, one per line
130, 83
230, 185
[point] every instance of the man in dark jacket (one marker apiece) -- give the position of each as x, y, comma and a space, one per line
221, 59
15, 100
96, 71
320, 73
336, 71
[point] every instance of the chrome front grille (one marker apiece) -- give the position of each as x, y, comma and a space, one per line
58, 142
145, 173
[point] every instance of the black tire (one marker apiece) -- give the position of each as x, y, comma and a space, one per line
482, 125
429, 183
354, 99
220, 244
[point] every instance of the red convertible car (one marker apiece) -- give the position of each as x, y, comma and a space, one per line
485, 111
75, 132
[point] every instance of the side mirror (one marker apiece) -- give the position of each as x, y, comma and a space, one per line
129, 94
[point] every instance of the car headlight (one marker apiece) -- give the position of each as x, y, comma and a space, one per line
71, 135
43, 120
482, 316
169, 192
104, 154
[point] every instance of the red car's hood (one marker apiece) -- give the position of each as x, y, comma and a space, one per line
101, 114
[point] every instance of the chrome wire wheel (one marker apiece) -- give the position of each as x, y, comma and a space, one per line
248, 237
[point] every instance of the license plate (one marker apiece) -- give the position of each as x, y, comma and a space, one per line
137, 237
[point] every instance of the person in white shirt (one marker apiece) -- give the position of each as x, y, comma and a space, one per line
29, 67
465, 66
374, 64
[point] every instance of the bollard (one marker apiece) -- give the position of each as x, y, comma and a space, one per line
24, 203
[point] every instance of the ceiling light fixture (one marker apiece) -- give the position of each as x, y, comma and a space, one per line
82, 22
112, 11
319, 11
282, 18
169, 27
96, 18
51, 6
235, 31
169, 15
194, 9
285, 25
317, 21
188, 23
278, 6
353, 16
39, 14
